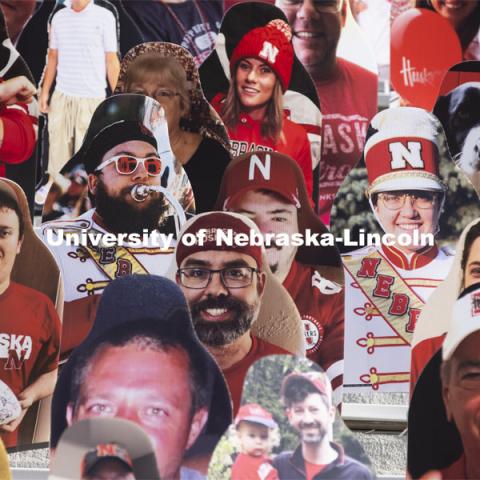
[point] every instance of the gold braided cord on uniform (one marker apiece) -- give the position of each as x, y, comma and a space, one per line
404, 174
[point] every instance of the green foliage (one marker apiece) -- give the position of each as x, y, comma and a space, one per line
220, 466
262, 386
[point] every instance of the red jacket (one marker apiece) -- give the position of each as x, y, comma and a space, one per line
247, 136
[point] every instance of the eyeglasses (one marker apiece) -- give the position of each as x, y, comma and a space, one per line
232, 277
324, 6
421, 200
127, 164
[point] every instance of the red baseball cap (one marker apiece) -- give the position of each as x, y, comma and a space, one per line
254, 413
255, 172
318, 380
209, 224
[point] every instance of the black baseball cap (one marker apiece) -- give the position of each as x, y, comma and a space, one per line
103, 452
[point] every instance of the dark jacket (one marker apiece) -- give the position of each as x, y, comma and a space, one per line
290, 466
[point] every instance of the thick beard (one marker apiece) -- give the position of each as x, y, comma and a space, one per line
225, 332
119, 216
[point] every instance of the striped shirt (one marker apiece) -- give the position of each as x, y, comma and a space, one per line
82, 39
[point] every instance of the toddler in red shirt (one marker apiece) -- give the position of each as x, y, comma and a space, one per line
254, 427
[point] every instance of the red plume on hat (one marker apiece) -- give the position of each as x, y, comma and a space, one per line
272, 44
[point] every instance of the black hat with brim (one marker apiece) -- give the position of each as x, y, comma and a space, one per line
117, 119
156, 306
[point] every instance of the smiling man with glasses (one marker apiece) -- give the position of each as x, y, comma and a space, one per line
388, 284
126, 146
224, 286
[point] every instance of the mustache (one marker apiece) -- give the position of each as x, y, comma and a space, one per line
226, 331
305, 425
119, 215
128, 190
229, 303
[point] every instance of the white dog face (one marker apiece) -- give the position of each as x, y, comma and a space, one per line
469, 159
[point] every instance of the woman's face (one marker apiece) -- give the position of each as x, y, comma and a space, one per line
164, 93
472, 268
455, 11
255, 83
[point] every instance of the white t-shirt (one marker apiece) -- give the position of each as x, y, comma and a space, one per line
82, 39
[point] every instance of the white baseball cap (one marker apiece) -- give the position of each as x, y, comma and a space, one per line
465, 320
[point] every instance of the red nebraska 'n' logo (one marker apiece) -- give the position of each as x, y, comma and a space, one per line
368, 269
14, 360
269, 52
401, 155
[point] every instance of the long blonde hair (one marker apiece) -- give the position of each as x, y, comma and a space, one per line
272, 122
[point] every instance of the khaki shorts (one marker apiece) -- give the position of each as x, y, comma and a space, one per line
68, 121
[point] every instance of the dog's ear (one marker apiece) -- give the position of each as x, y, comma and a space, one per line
441, 111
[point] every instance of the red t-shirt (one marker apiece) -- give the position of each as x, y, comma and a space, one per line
29, 339
347, 102
18, 136
312, 469
323, 318
235, 375
253, 468
247, 137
